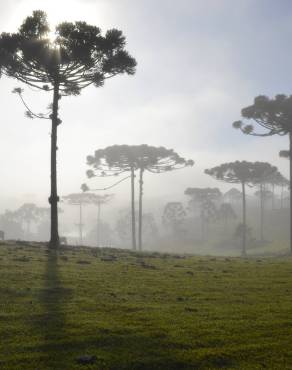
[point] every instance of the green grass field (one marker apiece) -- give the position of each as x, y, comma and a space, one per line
149, 311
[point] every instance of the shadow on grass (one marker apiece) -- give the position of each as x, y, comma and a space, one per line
51, 322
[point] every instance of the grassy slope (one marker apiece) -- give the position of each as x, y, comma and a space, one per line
149, 312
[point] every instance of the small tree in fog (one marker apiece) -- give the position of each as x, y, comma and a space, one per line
205, 199
79, 56
29, 213
99, 201
173, 218
244, 173
233, 195
275, 117
80, 200
226, 213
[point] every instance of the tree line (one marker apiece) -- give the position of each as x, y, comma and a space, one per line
81, 56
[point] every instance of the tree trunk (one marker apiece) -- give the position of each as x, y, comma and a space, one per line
133, 209
243, 221
140, 209
290, 159
273, 196
98, 224
80, 223
54, 199
282, 190
262, 211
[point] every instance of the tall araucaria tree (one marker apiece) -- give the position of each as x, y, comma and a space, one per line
117, 159
155, 160
244, 173
113, 161
274, 116
78, 57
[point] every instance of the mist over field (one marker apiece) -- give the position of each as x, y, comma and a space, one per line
145, 195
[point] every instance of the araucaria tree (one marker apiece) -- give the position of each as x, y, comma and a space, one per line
113, 161
80, 200
274, 116
117, 159
244, 173
205, 199
78, 57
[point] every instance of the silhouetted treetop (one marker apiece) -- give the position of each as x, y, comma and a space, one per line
79, 56
274, 115
242, 172
203, 194
116, 159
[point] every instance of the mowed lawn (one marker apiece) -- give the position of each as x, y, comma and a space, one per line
142, 311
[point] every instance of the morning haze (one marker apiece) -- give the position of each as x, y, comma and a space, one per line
145, 196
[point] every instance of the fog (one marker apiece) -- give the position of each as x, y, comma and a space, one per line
199, 64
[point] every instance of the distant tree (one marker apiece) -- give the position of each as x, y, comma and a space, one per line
263, 195
117, 159
226, 213
150, 228
80, 200
233, 195
113, 161
206, 199
11, 225
173, 218
266, 173
275, 117
79, 56
244, 173
155, 160
27, 214
99, 201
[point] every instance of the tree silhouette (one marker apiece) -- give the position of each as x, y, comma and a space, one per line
275, 117
173, 218
233, 195
155, 160
244, 173
117, 159
99, 201
78, 57
205, 198
113, 161
79, 199
226, 212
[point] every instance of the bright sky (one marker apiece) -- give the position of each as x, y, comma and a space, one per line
199, 63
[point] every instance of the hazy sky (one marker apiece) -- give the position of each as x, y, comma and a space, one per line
199, 63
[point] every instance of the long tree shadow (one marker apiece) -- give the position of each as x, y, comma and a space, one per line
51, 321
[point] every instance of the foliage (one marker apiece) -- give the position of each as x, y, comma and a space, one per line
274, 115
79, 56
242, 172
116, 159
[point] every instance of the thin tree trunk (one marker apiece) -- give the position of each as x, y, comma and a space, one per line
243, 220
273, 196
53, 199
282, 190
133, 208
290, 159
80, 223
98, 224
262, 211
140, 208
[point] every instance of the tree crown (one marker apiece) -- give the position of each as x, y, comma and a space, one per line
273, 115
79, 56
